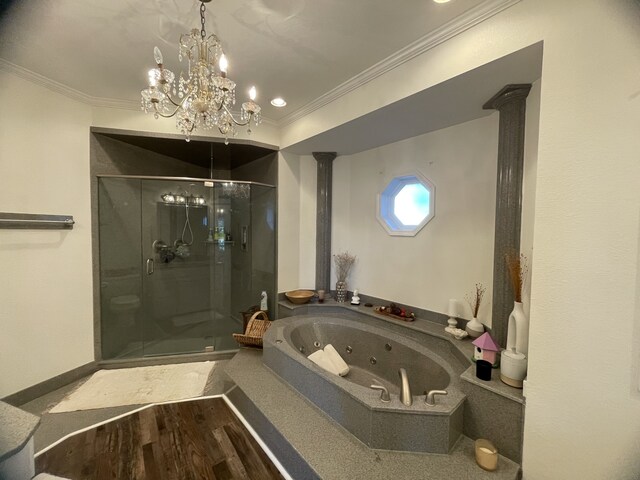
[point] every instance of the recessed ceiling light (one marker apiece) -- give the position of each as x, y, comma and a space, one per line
278, 102
441, 1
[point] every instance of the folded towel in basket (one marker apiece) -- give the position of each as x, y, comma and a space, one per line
330, 360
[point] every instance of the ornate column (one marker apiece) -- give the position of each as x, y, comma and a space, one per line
511, 102
323, 218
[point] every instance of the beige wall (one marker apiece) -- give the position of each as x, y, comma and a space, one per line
288, 221
296, 221
454, 251
46, 299
531, 134
308, 207
583, 404
46, 313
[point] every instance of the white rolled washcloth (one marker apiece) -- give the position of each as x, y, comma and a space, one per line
330, 360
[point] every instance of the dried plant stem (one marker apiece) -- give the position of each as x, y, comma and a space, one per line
475, 299
343, 261
517, 267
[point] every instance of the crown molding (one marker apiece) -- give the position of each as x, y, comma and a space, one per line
449, 30
65, 90
100, 102
458, 25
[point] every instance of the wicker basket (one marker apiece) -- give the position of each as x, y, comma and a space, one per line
255, 330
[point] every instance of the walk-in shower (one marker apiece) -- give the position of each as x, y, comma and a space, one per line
179, 260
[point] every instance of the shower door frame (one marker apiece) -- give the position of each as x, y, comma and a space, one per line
97, 300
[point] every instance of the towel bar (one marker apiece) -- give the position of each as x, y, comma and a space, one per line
35, 221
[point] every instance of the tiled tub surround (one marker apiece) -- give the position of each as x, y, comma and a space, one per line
351, 402
492, 409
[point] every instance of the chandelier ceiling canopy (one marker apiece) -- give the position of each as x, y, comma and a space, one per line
204, 96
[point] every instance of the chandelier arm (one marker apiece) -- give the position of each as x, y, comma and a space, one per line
238, 123
164, 115
177, 104
175, 110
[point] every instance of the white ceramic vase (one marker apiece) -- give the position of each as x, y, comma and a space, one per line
513, 368
518, 330
474, 328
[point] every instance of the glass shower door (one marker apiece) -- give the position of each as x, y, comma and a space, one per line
182, 306
120, 274
180, 262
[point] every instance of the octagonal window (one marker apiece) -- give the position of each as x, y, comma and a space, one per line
406, 205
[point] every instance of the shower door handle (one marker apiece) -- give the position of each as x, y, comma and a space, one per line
244, 238
150, 266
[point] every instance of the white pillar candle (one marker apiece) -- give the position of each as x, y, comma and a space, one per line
452, 307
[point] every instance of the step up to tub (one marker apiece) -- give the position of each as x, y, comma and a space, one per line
311, 445
16, 442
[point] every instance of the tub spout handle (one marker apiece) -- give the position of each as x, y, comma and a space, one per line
384, 393
430, 399
405, 390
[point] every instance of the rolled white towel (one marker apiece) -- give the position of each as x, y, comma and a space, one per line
336, 359
321, 359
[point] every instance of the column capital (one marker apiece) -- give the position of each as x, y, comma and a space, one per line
508, 94
325, 156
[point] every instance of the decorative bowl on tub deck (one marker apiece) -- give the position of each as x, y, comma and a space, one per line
300, 296
375, 354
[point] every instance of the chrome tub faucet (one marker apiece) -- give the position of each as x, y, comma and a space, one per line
405, 390
430, 399
384, 393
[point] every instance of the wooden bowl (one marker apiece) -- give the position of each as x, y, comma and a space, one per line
300, 296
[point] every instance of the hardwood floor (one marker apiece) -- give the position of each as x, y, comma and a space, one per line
200, 439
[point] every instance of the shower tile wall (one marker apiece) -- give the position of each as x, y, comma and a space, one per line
186, 300
263, 224
196, 283
120, 232
231, 287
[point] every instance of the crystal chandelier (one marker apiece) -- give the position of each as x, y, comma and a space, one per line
204, 97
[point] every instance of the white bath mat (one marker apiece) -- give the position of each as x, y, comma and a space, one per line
135, 386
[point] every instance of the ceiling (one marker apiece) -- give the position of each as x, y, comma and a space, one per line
297, 49
457, 100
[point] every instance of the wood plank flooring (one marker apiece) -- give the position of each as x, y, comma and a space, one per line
200, 439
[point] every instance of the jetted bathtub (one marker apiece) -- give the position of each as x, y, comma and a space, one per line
375, 355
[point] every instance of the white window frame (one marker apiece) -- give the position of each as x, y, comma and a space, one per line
385, 205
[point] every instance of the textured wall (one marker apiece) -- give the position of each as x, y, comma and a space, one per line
454, 250
288, 233
46, 314
583, 416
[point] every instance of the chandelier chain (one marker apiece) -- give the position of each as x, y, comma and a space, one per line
203, 33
